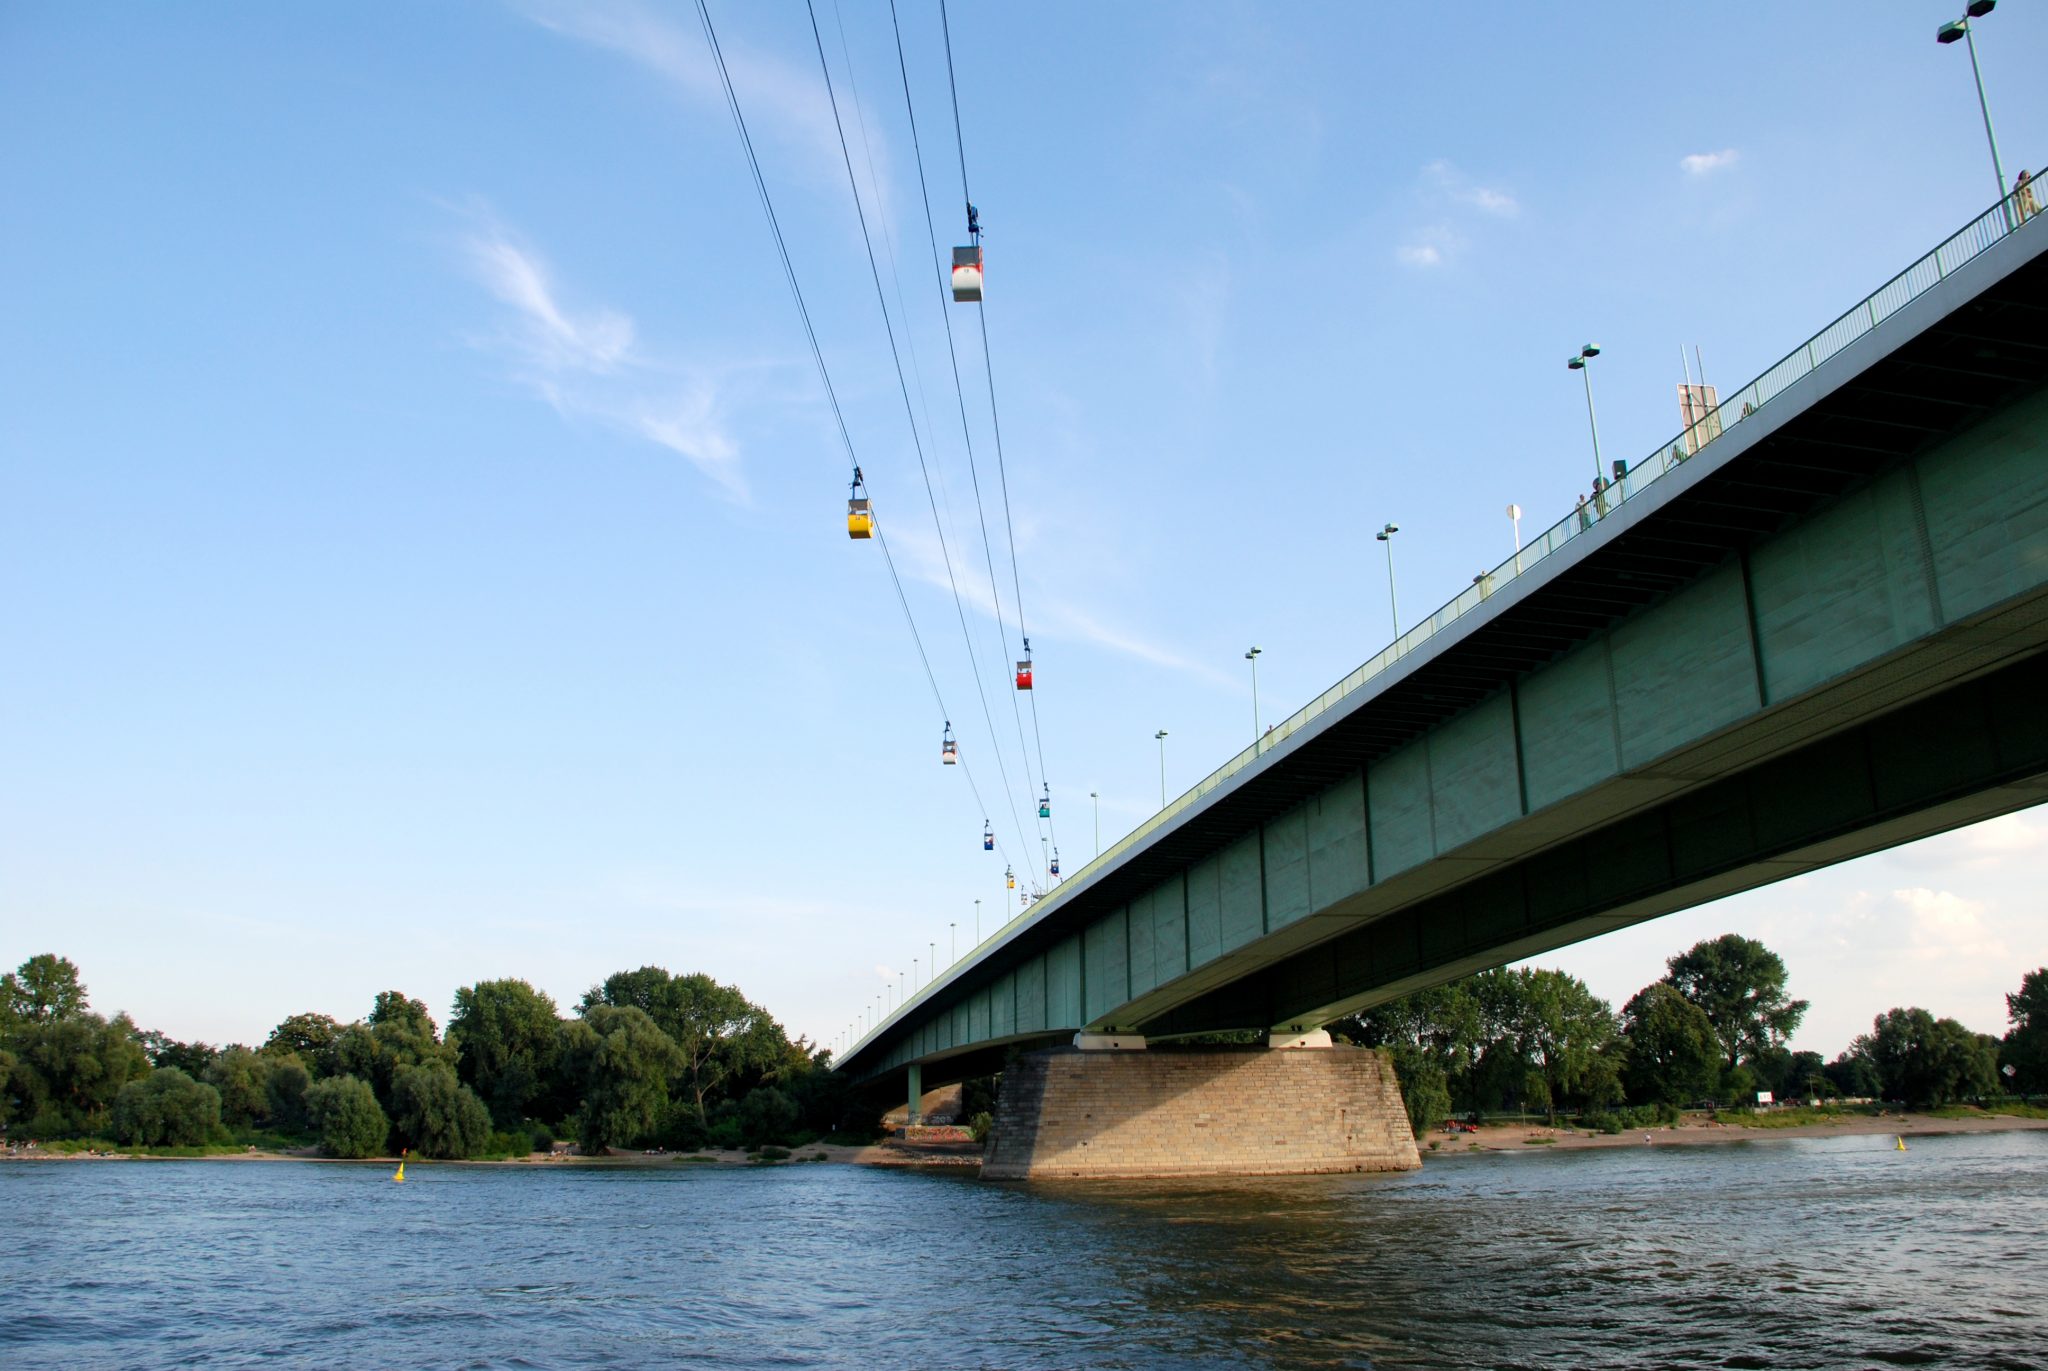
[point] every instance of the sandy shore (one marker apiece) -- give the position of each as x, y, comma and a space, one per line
1696, 1131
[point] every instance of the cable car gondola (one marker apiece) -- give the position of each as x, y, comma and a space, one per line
1055, 861
860, 519
1024, 674
1045, 803
949, 751
967, 263
1010, 877
988, 837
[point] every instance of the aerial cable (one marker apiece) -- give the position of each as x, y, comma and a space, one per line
903, 385
988, 363
825, 375
960, 393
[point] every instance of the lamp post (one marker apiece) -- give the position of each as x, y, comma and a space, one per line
1963, 29
1161, 736
1098, 821
977, 923
1253, 658
952, 942
1578, 364
1386, 535
934, 946
1515, 518
913, 973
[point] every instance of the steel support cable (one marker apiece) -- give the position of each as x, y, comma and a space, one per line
960, 393
988, 364
910, 414
825, 377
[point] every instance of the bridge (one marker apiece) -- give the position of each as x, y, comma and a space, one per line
1807, 629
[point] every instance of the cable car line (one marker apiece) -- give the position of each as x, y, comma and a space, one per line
960, 393
910, 414
988, 363
825, 377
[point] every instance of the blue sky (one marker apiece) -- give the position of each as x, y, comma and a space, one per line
421, 539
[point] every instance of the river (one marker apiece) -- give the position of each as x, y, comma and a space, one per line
1776, 1253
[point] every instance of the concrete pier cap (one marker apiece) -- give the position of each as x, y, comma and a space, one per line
1109, 1042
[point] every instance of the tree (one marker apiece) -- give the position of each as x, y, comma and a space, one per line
1925, 1060
190, 1058
2026, 1045
166, 1108
345, 1113
720, 1034
766, 1116
1425, 1091
285, 1085
1673, 1055
1740, 984
436, 1115
310, 1038
625, 1063
1855, 1072
1441, 1025
68, 1071
43, 989
242, 1077
505, 1034
399, 1033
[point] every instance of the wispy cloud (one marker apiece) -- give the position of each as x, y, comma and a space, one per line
1705, 163
786, 100
587, 362
1461, 189
1420, 254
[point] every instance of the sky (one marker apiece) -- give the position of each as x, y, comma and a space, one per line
422, 549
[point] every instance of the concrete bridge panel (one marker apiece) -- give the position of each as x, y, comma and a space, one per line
1063, 984
1339, 857
1205, 911
1850, 584
1685, 670
1285, 853
1105, 966
1031, 996
1242, 894
1002, 1013
1569, 742
1986, 496
1403, 828
1477, 784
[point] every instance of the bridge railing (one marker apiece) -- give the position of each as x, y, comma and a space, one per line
2016, 211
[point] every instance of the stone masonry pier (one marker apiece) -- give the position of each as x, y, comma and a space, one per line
1165, 1111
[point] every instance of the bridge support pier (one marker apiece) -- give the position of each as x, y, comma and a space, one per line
1198, 1111
914, 1117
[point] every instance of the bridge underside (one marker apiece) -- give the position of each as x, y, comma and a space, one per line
1824, 635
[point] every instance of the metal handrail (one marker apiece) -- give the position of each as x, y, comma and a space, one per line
2008, 216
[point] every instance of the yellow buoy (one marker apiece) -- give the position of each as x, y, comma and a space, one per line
1900, 1139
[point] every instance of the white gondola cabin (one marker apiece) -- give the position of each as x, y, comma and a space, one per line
949, 751
967, 274
1010, 877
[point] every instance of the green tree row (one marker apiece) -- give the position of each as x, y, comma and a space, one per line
1712, 1030
648, 1059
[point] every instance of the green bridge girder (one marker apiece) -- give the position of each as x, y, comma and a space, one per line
1827, 637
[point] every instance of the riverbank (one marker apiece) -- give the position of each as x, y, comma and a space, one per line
1701, 1131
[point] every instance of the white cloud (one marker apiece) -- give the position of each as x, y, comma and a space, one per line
1420, 255
587, 362
1448, 181
1705, 163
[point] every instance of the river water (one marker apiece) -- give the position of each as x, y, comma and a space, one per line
1777, 1253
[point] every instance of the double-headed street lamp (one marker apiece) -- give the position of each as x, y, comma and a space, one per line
1963, 29
1578, 364
1161, 736
1386, 535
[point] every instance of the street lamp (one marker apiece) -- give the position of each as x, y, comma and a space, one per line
977, 923
1161, 736
1515, 518
953, 941
1386, 535
1253, 658
1578, 364
1963, 29
913, 973
1098, 821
